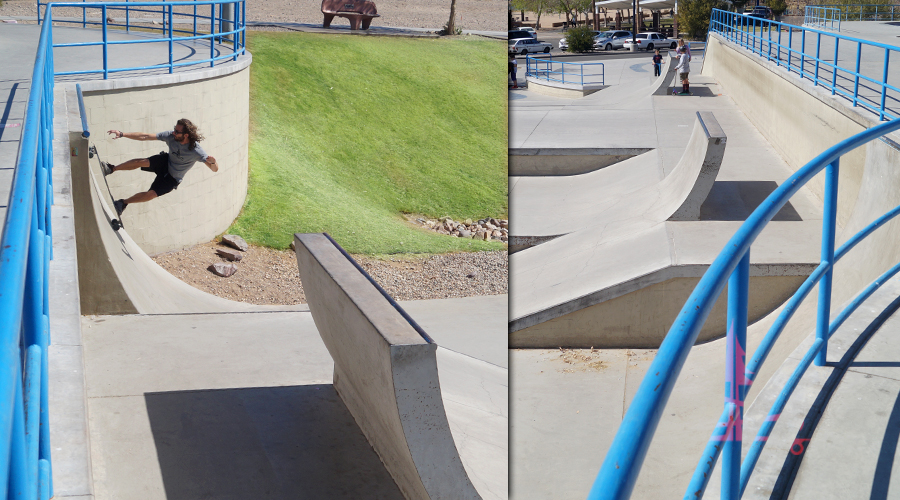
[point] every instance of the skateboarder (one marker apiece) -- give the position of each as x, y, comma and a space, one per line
684, 69
657, 61
170, 167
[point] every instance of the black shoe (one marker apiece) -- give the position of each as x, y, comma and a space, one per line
120, 206
106, 168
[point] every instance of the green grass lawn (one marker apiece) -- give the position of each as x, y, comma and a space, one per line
347, 133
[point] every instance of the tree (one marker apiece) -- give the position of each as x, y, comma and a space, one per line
451, 24
778, 7
693, 16
536, 6
580, 39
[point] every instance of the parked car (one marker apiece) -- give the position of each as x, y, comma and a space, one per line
611, 40
760, 11
530, 30
564, 44
517, 34
650, 41
528, 46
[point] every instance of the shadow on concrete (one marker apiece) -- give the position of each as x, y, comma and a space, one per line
263, 443
695, 91
792, 461
736, 200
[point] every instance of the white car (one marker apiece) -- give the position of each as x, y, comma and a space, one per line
528, 46
611, 40
650, 41
564, 44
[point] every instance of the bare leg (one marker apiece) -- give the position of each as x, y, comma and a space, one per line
133, 164
141, 197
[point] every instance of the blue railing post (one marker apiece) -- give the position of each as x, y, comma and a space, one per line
802, 54
171, 42
818, 47
856, 79
829, 229
212, 32
127, 17
834, 68
105, 47
735, 358
887, 58
790, 53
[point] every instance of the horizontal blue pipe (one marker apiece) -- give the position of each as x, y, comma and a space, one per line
159, 66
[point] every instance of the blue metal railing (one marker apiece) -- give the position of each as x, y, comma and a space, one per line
867, 12
622, 464
25, 253
817, 59
822, 17
225, 21
564, 72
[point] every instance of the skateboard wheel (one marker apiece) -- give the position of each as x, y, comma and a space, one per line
115, 224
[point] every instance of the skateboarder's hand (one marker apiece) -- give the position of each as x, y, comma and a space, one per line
116, 134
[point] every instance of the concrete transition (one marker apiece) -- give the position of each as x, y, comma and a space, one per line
627, 240
385, 370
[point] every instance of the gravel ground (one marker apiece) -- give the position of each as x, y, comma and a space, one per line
485, 15
267, 276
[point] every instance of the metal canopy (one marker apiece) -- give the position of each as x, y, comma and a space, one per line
644, 4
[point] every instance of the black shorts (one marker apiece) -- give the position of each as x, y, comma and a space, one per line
159, 165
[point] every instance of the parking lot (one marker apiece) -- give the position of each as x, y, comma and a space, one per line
553, 36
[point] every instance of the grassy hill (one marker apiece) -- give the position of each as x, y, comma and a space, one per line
348, 132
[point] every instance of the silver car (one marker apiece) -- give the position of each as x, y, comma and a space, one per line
611, 40
528, 46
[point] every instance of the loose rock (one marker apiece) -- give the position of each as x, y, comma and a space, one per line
235, 241
229, 254
223, 269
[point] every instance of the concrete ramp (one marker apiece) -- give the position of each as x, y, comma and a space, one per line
115, 275
385, 370
615, 253
632, 195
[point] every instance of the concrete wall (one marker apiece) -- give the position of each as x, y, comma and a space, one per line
205, 204
385, 372
800, 121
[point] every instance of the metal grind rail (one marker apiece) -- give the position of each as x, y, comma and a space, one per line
565, 72
25, 253
622, 464
226, 21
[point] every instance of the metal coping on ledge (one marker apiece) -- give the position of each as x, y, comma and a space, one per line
390, 299
84, 126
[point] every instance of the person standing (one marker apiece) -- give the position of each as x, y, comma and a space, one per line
684, 70
657, 62
170, 167
513, 66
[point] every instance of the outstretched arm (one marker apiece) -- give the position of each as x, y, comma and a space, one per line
211, 163
137, 136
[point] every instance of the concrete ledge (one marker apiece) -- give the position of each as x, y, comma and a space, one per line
566, 161
705, 150
556, 89
385, 370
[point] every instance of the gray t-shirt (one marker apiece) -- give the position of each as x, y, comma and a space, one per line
181, 156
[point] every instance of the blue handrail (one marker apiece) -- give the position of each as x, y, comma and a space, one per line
822, 17
622, 464
765, 39
866, 12
229, 21
25, 253
556, 71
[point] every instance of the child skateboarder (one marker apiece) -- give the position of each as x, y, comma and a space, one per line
657, 61
170, 167
684, 69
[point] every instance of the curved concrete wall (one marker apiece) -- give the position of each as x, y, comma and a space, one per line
800, 121
217, 100
385, 372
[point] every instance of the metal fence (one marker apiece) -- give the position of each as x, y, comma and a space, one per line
223, 20
867, 12
858, 70
622, 464
565, 72
822, 17
25, 253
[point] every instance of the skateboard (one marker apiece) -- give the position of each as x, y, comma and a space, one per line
115, 223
